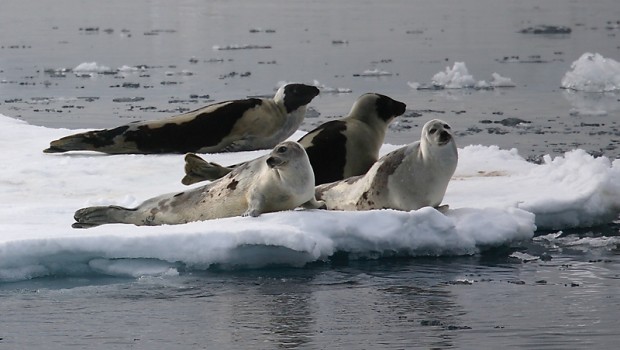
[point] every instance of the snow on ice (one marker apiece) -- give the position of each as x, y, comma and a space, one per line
496, 198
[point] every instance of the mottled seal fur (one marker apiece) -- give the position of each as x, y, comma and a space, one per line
281, 180
238, 125
408, 178
337, 149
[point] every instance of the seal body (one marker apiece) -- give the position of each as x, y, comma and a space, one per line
238, 125
350, 146
337, 149
282, 180
408, 178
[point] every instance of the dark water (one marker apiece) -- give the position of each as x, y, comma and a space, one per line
559, 291
482, 302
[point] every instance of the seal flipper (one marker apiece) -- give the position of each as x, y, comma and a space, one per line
198, 169
95, 216
96, 140
314, 204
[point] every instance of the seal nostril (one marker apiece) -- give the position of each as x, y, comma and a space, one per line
272, 162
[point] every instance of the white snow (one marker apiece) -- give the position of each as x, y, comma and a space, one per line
496, 198
593, 73
458, 77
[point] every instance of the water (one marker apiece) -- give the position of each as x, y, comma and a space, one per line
443, 303
499, 300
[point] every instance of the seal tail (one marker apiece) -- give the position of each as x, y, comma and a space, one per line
198, 169
95, 216
96, 140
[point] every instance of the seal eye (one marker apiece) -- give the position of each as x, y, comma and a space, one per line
281, 149
446, 126
432, 131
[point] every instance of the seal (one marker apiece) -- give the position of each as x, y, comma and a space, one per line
408, 178
337, 149
281, 180
237, 125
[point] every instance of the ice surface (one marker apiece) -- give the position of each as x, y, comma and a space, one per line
593, 73
496, 198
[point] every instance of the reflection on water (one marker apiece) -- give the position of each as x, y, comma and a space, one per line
570, 301
591, 103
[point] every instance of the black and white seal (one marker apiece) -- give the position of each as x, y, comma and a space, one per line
408, 178
281, 180
238, 125
337, 149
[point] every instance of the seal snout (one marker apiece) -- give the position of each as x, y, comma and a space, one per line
444, 137
273, 162
399, 108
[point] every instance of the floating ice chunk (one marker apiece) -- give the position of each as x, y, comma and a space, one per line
483, 85
128, 69
92, 67
499, 81
593, 73
240, 47
374, 73
331, 90
414, 85
457, 77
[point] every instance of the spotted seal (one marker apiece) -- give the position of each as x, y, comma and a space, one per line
408, 178
281, 180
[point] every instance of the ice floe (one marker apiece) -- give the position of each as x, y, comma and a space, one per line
496, 198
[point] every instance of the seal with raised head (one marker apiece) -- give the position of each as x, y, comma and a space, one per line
337, 149
281, 180
238, 125
408, 178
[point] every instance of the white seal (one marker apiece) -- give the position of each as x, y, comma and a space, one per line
408, 178
337, 149
281, 180
238, 125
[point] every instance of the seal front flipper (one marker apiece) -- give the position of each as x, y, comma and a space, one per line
198, 169
314, 204
95, 216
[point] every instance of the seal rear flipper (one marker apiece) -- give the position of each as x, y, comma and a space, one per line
96, 140
198, 169
95, 216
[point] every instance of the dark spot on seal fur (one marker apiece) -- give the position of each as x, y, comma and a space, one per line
364, 198
390, 162
328, 152
232, 185
206, 129
388, 108
379, 185
297, 95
